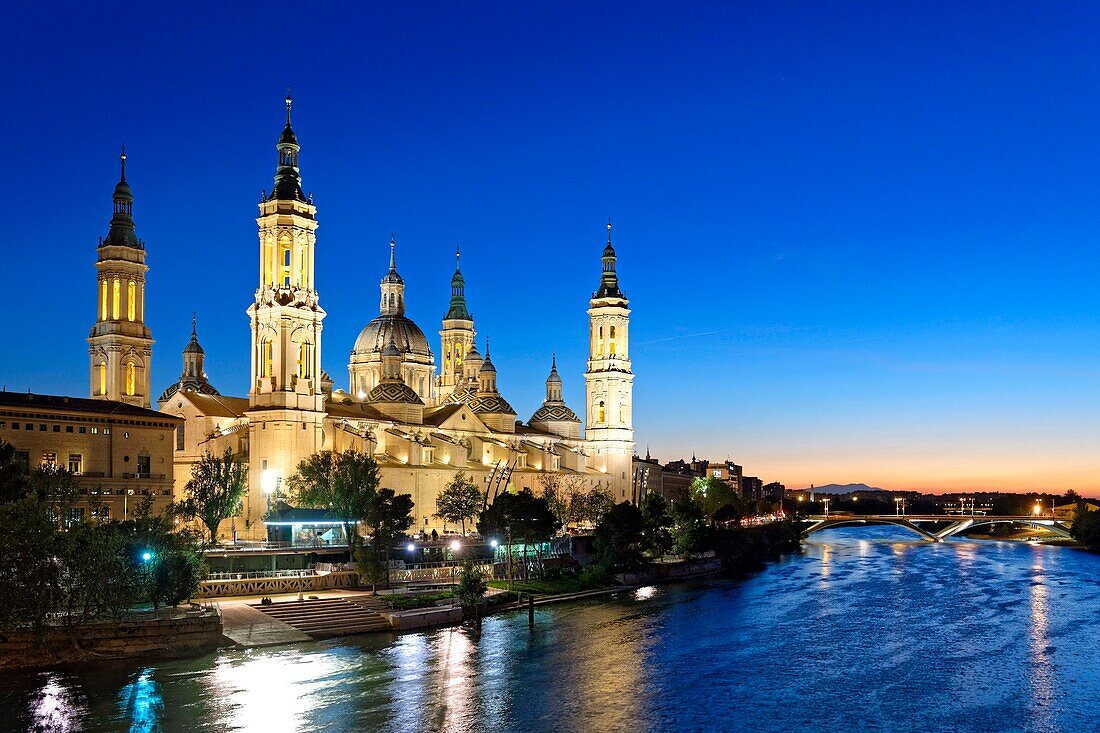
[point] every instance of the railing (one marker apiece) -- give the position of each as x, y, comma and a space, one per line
248, 575
271, 584
245, 547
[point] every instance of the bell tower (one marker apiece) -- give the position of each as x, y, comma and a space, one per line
120, 344
286, 403
457, 336
286, 317
609, 381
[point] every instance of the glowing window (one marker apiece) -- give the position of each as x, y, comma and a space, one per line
131, 300
131, 379
103, 300
101, 370
116, 296
602, 412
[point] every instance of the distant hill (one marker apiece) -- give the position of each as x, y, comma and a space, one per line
842, 488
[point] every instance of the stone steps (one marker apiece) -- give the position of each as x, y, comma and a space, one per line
326, 617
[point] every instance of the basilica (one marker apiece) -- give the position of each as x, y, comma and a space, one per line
424, 414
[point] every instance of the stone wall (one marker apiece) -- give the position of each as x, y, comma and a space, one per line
187, 633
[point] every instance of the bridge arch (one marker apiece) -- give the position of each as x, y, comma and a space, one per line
831, 522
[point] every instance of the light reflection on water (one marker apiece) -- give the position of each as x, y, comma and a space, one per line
862, 631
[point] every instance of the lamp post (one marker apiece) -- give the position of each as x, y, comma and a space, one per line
825, 501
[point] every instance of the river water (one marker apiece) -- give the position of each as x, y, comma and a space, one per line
864, 630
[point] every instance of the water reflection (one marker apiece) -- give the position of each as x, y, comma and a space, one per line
865, 630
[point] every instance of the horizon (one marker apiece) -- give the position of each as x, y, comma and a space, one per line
854, 251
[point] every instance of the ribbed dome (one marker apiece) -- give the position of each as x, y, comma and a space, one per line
406, 334
123, 192
394, 392
549, 413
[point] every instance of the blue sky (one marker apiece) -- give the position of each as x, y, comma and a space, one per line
859, 239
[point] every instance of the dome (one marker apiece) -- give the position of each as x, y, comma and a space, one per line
123, 192
472, 356
406, 334
288, 137
193, 346
487, 365
394, 392
550, 413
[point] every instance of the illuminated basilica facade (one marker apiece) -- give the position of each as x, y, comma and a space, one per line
423, 414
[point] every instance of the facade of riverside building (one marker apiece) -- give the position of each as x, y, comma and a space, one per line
423, 413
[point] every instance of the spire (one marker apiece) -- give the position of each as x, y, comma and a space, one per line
392, 276
458, 310
609, 280
288, 181
122, 232
553, 382
194, 324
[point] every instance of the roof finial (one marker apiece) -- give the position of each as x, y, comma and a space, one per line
609, 230
194, 323
393, 260
122, 160
458, 257
486, 348
553, 360
289, 99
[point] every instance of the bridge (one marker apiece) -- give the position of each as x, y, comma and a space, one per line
933, 529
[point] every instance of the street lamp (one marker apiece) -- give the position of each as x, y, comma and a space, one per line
411, 547
1038, 508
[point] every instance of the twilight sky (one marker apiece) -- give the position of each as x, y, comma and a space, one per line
860, 240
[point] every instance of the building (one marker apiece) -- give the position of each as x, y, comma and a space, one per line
120, 453
1068, 512
421, 419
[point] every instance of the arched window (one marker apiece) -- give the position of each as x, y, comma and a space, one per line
101, 377
264, 358
103, 300
141, 304
131, 300
131, 379
612, 337
284, 260
602, 413
303, 359
599, 341
267, 273
180, 436
116, 296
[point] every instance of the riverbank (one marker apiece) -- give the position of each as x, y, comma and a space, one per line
171, 633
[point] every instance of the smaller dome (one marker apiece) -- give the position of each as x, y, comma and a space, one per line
487, 365
472, 356
554, 413
554, 376
609, 251
193, 346
123, 192
288, 137
393, 277
394, 392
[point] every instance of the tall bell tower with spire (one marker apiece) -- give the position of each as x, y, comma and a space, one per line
457, 335
120, 344
609, 389
286, 403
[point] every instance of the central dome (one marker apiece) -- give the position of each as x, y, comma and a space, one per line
406, 334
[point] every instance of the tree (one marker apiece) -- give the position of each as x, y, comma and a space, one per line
597, 503
388, 516
713, 494
13, 475
471, 584
528, 519
1086, 527
460, 500
344, 483
215, 491
57, 489
619, 537
658, 524
689, 529
29, 571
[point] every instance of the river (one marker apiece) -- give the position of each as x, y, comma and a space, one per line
864, 630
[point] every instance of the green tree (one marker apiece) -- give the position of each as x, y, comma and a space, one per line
528, 519
619, 537
658, 524
100, 579
168, 562
29, 571
388, 516
689, 529
58, 489
215, 491
13, 475
471, 584
597, 503
1086, 527
344, 483
460, 500
370, 567
714, 495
